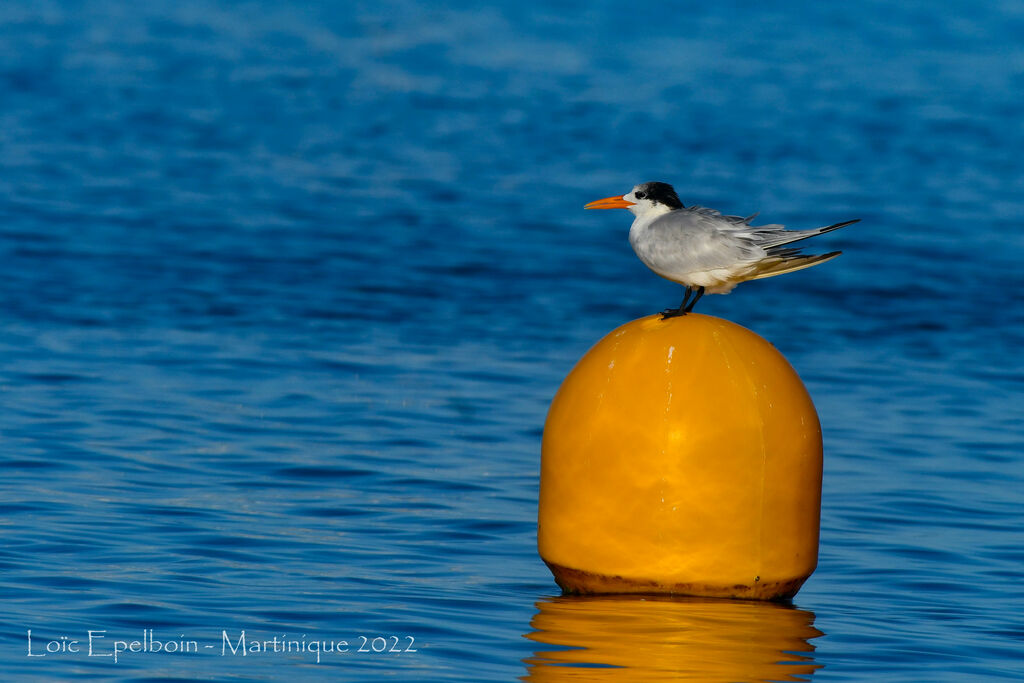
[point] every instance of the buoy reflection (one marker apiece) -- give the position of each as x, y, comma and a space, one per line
670, 639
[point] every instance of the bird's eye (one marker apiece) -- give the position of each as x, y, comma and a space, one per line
640, 195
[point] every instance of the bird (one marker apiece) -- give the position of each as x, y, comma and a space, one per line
702, 249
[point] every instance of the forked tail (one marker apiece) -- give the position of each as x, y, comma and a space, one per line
771, 267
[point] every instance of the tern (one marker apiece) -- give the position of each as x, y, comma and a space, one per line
703, 250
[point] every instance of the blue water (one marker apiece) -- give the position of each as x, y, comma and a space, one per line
288, 288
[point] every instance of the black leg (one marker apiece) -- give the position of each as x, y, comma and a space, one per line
673, 312
700, 293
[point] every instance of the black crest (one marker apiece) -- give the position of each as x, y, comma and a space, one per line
663, 193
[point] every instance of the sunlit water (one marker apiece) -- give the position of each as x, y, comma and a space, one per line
288, 289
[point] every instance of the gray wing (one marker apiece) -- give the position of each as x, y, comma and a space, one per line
768, 237
698, 239
773, 240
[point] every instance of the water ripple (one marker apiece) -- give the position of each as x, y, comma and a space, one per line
289, 290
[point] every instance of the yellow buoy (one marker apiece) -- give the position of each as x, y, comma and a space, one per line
681, 456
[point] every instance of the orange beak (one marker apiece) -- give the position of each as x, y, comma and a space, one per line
609, 203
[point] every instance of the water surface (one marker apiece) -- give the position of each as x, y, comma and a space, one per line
289, 287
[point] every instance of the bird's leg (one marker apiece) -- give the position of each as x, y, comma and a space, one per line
686, 297
700, 293
673, 312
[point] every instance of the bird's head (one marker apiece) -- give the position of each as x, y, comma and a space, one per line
642, 199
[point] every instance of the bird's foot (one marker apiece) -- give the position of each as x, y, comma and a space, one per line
672, 313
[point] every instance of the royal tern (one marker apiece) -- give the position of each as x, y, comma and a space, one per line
704, 251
